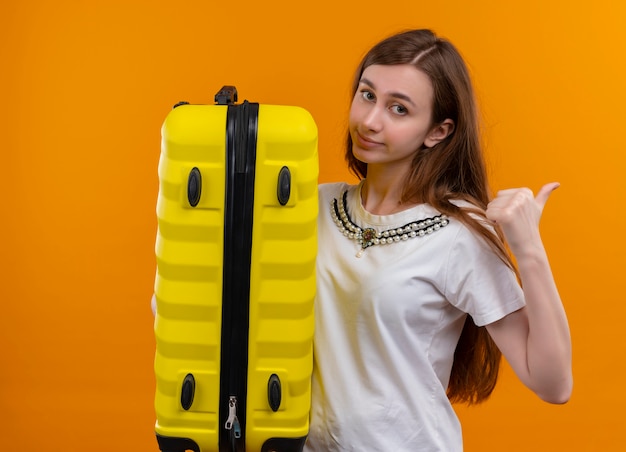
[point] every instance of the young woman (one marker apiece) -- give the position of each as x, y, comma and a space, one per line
417, 296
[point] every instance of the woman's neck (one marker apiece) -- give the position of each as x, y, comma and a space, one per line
383, 195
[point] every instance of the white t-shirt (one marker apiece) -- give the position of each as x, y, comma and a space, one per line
387, 324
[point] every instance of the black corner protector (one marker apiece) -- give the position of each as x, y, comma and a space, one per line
284, 445
171, 444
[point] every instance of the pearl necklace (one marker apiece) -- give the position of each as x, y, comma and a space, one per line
369, 237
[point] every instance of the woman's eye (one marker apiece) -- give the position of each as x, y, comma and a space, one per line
368, 95
399, 109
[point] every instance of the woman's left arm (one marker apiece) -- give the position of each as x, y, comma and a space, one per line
536, 339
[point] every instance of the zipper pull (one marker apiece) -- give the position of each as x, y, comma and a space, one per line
232, 423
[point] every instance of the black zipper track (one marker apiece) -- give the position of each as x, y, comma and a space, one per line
241, 136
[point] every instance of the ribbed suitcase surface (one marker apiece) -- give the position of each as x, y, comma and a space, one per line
235, 284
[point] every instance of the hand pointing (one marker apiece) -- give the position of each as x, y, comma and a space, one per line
517, 211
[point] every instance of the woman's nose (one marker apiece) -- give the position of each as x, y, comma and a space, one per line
373, 119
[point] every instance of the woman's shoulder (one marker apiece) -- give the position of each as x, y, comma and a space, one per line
473, 236
331, 190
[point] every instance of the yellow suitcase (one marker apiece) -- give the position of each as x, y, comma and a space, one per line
235, 283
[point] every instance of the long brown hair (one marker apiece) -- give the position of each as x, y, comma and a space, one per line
453, 169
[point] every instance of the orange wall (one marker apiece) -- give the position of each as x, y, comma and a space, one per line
85, 87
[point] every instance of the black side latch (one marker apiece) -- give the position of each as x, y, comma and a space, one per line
274, 392
188, 391
284, 186
226, 96
194, 187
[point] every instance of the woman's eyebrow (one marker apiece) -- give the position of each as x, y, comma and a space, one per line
393, 94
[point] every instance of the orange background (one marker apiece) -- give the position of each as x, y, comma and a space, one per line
85, 87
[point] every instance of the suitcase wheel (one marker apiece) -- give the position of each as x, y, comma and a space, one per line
226, 96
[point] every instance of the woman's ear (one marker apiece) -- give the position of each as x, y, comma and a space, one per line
439, 133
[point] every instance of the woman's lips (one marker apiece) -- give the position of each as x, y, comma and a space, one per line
364, 142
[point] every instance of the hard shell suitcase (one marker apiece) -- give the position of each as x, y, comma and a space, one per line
235, 283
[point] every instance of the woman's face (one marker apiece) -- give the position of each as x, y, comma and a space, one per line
391, 115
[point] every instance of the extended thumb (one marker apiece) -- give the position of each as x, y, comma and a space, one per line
545, 192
